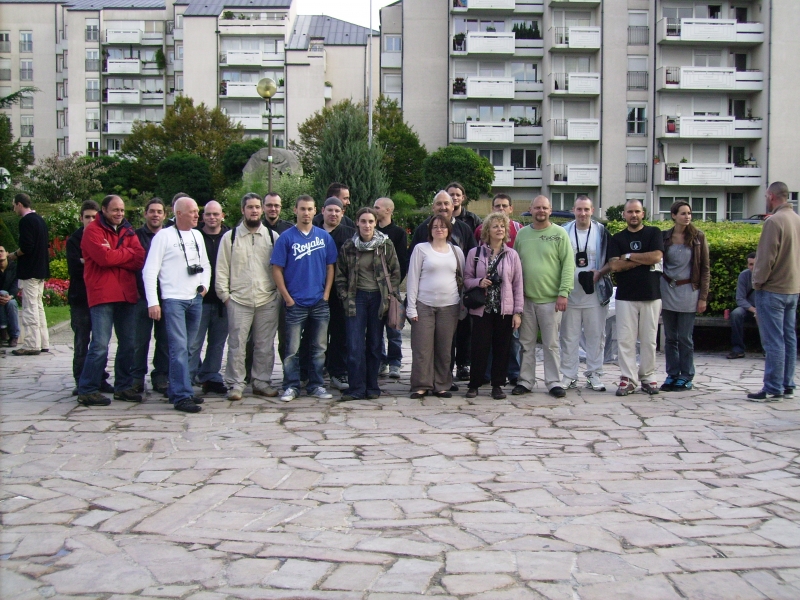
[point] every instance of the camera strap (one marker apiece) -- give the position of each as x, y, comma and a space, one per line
183, 246
581, 256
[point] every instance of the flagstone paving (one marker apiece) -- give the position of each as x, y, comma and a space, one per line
592, 497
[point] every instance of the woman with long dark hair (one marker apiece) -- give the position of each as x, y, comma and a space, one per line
684, 291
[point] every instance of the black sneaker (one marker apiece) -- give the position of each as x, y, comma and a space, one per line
160, 386
107, 388
214, 387
519, 389
788, 393
764, 396
462, 373
75, 391
557, 392
498, 393
454, 387
187, 405
138, 387
127, 396
93, 399
197, 400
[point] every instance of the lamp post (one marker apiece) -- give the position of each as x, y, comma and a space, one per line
266, 88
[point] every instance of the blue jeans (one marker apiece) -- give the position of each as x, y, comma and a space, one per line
182, 318
364, 345
314, 321
739, 316
104, 316
9, 317
213, 321
679, 347
144, 327
777, 326
394, 347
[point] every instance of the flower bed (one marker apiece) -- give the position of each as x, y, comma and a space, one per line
55, 292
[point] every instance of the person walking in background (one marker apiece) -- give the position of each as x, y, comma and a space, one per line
9, 311
495, 268
433, 294
214, 320
33, 269
684, 292
776, 279
745, 311
244, 284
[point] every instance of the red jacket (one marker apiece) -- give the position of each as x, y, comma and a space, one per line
110, 273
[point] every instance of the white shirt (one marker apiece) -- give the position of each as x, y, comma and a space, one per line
432, 277
578, 298
167, 265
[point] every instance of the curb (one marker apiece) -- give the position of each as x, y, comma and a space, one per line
58, 328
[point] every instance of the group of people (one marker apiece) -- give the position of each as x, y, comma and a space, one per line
323, 285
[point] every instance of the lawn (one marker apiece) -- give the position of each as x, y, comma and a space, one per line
56, 314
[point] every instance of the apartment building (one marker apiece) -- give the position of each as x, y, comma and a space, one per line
657, 100
127, 60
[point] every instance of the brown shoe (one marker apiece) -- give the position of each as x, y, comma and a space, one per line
12, 343
26, 352
3, 334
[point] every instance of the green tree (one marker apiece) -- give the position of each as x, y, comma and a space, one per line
186, 128
386, 114
57, 179
14, 155
456, 163
404, 158
345, 155
306, 147
236, 157
15, 97
184, 172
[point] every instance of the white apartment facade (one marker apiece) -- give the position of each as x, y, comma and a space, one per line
651, 99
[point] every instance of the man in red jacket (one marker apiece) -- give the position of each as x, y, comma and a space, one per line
112, 255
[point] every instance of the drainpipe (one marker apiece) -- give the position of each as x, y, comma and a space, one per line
653, 119
769, 95
602, 79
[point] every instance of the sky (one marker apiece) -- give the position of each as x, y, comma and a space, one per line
354, 11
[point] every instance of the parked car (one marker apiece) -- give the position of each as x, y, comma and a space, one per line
753, 219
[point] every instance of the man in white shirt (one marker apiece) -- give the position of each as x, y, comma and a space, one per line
178, 262
244, 284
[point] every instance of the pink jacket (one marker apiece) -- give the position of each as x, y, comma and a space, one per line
510, 270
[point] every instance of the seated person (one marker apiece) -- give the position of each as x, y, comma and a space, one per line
745, 309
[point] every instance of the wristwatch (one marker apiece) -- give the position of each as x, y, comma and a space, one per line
628, 256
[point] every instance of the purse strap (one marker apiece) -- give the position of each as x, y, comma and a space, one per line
386, 273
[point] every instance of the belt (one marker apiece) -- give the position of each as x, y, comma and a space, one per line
675, 282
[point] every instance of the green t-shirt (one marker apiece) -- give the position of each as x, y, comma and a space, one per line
548, 264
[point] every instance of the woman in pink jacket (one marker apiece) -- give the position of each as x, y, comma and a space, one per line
496, 268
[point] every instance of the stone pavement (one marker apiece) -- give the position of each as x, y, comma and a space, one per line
593, 497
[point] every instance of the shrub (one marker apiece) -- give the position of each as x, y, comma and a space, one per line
286, 185
58, 269
55, 292
614, 213
62, 222
236, 157
456, 163
7, 239
184, 172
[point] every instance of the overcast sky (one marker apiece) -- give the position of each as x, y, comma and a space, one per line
354, 11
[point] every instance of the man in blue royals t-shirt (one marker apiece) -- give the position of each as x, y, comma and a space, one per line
302, 266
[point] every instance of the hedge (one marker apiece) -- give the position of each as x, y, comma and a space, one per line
728, 247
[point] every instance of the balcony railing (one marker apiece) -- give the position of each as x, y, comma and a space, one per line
559, 127
26, 74
637, 128
576, 83
569, 174
123, 36
93, 95
485, 4
577, 37
131, 66
5, 46
92, 64
237, 89
458, 131
575, 129
638, 80
26, 131
92, 124
490, 132
638, 35
485, 42
26, 46
636, 172
709, 127
710, 78
728, 31
710, 174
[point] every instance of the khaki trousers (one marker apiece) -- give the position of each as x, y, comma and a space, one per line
637, 320
264, 322
431, 340
544, 318
592, 322
32, 318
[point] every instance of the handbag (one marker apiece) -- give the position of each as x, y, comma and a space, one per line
396, 313
476, 297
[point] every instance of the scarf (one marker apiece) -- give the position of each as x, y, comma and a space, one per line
377, 240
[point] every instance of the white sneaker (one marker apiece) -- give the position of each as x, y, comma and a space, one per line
339, 383
394, 372
569, 384
320, 393
234, 394
384, 370
594, 382
288, 395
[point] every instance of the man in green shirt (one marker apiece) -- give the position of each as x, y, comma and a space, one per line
548, 270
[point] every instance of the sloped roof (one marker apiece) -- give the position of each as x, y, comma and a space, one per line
105, 4
335, 32
213, 8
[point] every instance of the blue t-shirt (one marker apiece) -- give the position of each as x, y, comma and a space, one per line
305, 259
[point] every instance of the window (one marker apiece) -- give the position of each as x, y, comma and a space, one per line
278, 140
530, 113
113, 145
92, 60
61, 145
92, 90
707, 58
637, 120
26, 41
666, 202
493, 156
704, 209
59, 91
636, 166
154, 26
565, 200
392, 84
5, 41
178, 21
93, 148
92, 119
271, 46
59, 63
5, 69
26, 126
61, 119
26, 101
737, 155
491, 114
392, 43
793, 200
638, 76
525, 71
26, 70
638, 30
66, 88
488, 25
92, 30
178, 83
523, 158
735, 206
492, 69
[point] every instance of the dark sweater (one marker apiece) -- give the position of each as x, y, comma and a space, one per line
212, 247
76, 295
462, 236
400, 240
34, 242
470, 218
341, 234
8, 279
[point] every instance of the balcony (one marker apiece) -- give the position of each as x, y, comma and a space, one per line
253, 23
709, 78
638, 35
527, 178
575, 38
123, 127
636, 172
477, 132
528, 48
391, 60
153, 98
528, 134
131, 66
709, 31
123, 97
574, 84
153, 38
574, 3
503, 177
123, 36
707, 174
484, 87
574, 175
237, 89
493, 5
177, 34
484, 42
248, 121
243, 58
574, 130
529, 6
528, 90
708, 127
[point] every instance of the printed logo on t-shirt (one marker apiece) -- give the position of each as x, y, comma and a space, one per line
301, 250
636, 245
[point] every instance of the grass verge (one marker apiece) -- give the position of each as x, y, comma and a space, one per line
56, 314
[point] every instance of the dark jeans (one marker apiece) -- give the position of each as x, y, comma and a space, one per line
777, 325
336, 356
214, 322
739, 316
9, 317
144, 327
679, 350
394, 347
364, 342
313, 322
490, 331
81, 322
104, 316
513, 359
182, 319
462, 344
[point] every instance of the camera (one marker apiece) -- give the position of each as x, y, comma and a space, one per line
194, 269
495, 278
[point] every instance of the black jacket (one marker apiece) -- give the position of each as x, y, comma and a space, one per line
319, 220
399, 238
212, 247
470, 218
341, 234
462, 236
8, 279
34, 242
145, 237
76, 295
279, 227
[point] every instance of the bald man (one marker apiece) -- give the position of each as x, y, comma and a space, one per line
214, 321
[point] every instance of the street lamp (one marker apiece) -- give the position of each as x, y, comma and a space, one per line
266, 88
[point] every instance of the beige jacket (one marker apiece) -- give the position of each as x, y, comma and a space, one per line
243, 272
777, 267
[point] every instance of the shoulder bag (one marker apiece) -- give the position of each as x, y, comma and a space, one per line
396, 313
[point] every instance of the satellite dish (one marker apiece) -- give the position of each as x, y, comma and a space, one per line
266, 88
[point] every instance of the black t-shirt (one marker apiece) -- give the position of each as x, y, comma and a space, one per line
640, 283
